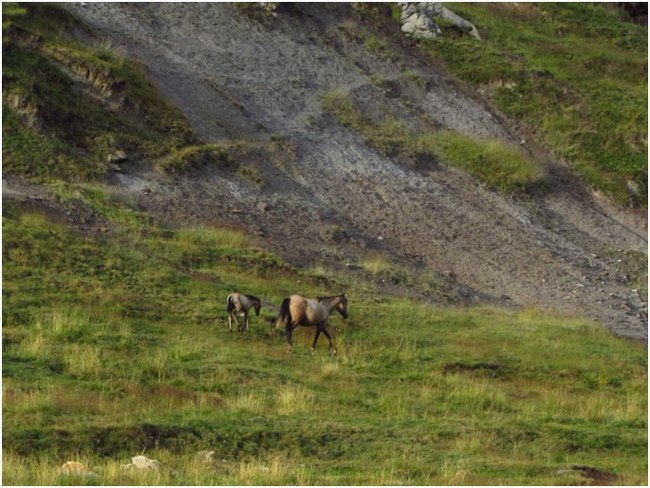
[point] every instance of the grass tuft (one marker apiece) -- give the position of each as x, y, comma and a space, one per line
494, 162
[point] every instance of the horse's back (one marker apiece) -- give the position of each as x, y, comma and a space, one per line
236, 301
306, 311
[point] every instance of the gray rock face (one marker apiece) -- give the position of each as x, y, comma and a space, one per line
418, 20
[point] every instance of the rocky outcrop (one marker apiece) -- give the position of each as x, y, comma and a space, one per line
270, 6
26, 110
418, 20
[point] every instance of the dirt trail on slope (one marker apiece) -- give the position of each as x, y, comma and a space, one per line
339, 200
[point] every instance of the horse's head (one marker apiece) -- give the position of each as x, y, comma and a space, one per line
342, 307
255, 302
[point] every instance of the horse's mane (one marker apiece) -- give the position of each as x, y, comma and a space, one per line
252, 297
320, 299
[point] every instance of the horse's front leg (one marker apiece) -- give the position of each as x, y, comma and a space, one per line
318, 331
329, 337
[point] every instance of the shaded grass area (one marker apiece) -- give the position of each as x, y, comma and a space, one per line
116, 345
75, 110
69, 107
495, 163
574, 74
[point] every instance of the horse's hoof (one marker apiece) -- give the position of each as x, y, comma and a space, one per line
333, 353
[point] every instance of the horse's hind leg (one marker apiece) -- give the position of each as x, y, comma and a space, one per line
290, 328
246, 320
229, 322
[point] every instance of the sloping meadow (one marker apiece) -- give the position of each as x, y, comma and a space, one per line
115, 343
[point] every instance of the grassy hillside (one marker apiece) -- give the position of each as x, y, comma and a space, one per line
115, 338
116, 344
573, 74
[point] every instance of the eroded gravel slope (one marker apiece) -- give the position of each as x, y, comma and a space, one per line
234, 77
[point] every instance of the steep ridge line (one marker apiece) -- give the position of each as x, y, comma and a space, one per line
232, 77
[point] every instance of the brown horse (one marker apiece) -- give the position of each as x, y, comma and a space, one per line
237, 303
297, 310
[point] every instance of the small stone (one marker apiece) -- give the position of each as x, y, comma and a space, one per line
143, 462
117, 157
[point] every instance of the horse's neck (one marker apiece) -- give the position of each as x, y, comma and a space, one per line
330, 304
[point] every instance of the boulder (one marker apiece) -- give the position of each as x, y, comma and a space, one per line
270, 6
418, 20
143, 462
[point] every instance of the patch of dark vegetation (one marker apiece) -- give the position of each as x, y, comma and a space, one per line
482, 368
597, 477
74, 112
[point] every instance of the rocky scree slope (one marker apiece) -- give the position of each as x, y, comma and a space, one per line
327, 198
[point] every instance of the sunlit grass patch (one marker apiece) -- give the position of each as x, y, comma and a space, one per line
375, 264
330, 369
475, 442
250, 401
293, 399
82, 361
271, 471
453, 471
213, 236
498, 164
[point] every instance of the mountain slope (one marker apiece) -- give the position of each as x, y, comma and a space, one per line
236, 78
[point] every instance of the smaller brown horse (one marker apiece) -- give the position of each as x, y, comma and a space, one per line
236, 303
297, 310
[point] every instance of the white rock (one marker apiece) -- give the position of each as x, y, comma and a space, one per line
143, 462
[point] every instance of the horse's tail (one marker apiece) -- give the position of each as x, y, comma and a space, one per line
285, 314
230, 303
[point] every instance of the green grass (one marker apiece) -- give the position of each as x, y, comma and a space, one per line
574, 74
181, 160
499, 165
117, 345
